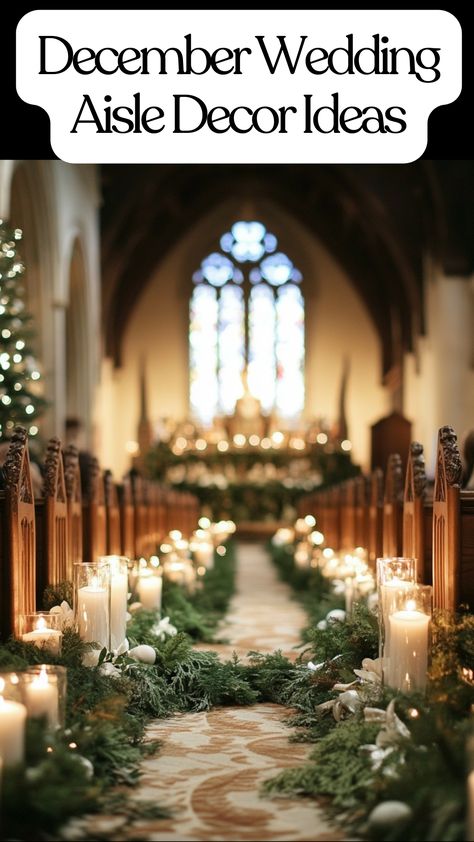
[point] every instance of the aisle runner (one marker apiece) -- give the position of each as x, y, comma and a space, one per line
212, 764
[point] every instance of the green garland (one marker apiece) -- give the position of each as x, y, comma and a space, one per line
107, 715
426, 771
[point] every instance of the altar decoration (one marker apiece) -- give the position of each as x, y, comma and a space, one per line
250, 477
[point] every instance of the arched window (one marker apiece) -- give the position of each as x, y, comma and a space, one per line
252, 319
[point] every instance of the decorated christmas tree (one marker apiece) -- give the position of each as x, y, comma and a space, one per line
20, 398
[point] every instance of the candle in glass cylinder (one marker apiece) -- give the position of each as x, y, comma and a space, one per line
93, 613
12, 730
41, 696
118, 597
406, 668
149, 588
204, 554
43, 636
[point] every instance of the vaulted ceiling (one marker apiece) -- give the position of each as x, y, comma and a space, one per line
380, 222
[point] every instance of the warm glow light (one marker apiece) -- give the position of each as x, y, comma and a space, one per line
201, 444
132, 447
310, 520
175, 534
328, 552
72, 745
222, 446
201, 571
317, 538
204, 522
410, 605
41, 624
297, 443
154, 561
346, 445
142, 563
181, 442
239, 440
321, 438
221, 550
254, 440
41, 680
277, 438
266, 443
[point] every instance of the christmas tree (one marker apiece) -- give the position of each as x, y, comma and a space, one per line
20, 399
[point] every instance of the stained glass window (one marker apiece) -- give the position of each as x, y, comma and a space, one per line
252, 320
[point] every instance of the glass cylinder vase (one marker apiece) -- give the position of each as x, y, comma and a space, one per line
43, 630
44, 694
92, 602
118, 597
406, 653
394, 574
149, 586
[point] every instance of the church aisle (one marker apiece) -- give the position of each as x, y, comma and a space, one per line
212, 764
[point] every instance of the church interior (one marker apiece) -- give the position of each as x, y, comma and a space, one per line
237, 495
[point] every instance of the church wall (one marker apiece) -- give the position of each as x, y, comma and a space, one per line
56, 204
337, 325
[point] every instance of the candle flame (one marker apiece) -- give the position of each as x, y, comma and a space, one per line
410, 605
41, 624
41, 680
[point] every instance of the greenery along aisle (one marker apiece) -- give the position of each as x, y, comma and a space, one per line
394, 764
71, 772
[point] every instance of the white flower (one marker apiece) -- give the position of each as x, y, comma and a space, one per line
164, 629
108, 669
91, 658
322, 625
371, 670
337, 615
64, 615
123, 648
315, 667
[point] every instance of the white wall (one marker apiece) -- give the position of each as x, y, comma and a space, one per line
439, 377
56, 204
337, 325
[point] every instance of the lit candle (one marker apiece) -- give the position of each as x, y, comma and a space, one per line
204, 554
93, 613
41, 696
470, 808
407, 665
44, 637
182, 548
149, 589
389, 593
175, 571
118, 601
12, 730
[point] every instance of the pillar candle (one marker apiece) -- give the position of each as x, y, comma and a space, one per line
118, 607
42, 699
93, 614
204, 554
43, 636
149, 589
175, 571
407, 665
388, 599
12, 732
181, 548
470, 808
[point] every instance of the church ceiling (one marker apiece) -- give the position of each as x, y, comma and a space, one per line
380, 222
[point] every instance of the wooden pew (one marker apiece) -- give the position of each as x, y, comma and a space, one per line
417, 515
361, 512
140, 514
453, 528
375, 516
72, 479
52, 523
347, 515
112, 516
93, 510
18, 546
127, 519
393, 507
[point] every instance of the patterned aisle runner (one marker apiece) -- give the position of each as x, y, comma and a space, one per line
212, 764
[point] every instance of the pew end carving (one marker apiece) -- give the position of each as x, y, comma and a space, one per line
18, 574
